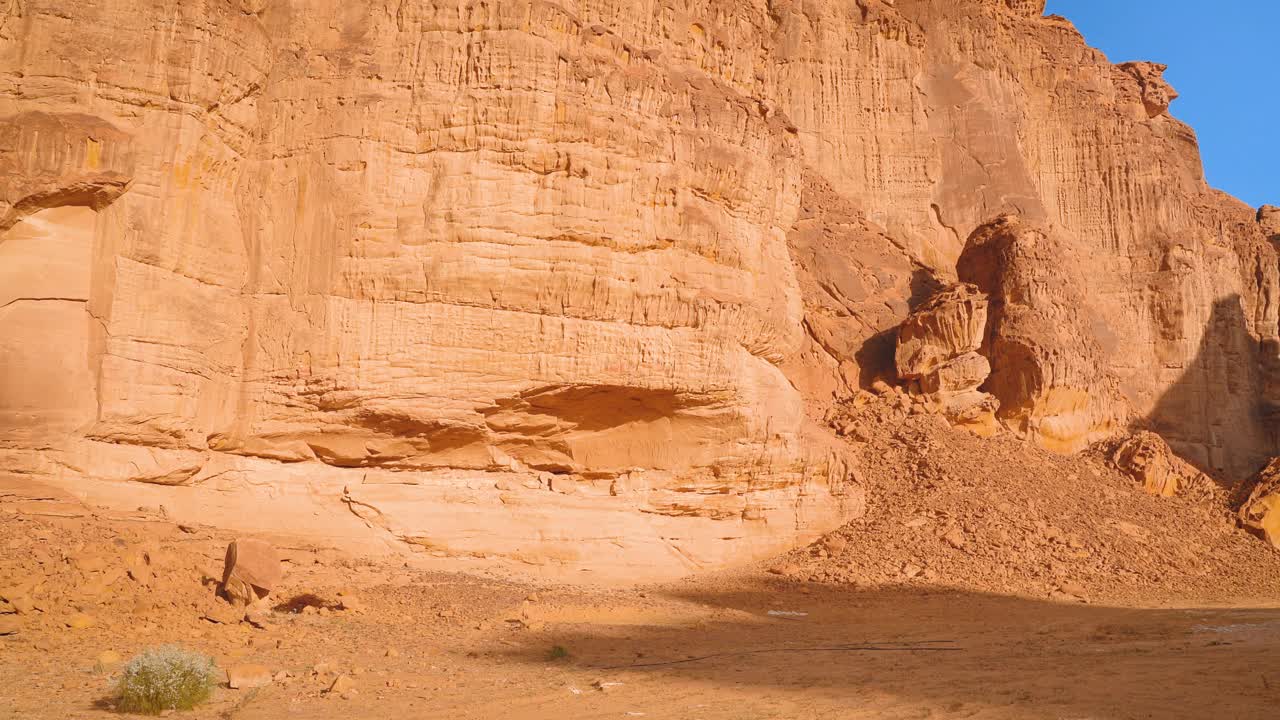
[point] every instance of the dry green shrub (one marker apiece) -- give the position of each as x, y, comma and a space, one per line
557, 652
166, 678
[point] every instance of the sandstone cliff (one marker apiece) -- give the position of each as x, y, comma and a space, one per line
566, 282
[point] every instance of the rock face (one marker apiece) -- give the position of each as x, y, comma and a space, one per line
1269, 222
1047, 370
569, 283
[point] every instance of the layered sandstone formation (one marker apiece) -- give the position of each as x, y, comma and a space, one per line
569, 282
937, 353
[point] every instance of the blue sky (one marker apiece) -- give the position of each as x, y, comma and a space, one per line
1224, 59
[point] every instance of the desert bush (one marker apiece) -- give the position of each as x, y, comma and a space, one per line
557, 652
166, 678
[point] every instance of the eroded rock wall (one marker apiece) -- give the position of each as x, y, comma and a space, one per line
483, 278
1010, 112
563, 282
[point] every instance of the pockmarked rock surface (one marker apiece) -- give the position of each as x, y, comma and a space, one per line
570, 285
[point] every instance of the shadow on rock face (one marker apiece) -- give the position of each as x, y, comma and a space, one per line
924, 285
1217, 415
875, 356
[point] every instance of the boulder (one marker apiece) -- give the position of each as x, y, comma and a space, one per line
1147, 458
80, 621
937, 348
242, 677
1260, 511
107, 660
251, 571
948, 325
971, 410
958, 374
343, 685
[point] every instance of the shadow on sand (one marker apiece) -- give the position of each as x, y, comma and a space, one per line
920, 652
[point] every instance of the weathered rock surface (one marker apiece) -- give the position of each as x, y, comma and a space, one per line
951, 324
1269, 222
1047, 370
1260, 510
568, 284
938, 352
1147, 458
1157, 93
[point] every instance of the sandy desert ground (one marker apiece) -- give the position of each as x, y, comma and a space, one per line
422, 643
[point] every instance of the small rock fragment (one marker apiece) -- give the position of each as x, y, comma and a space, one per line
604, 686
89, 562
1071, 587
138, 567
786, 568
342, 685
80, 621
242, 677
107, 659
259, 618
23, 604
223, 615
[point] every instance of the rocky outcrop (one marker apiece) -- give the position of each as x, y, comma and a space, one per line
529, 268
937, 353
857, 284
1147, 458
1047, 370
1269, 222
571, 284
1260, 510
1157, 93
950, 324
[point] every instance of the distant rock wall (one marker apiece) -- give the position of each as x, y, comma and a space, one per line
565, 283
